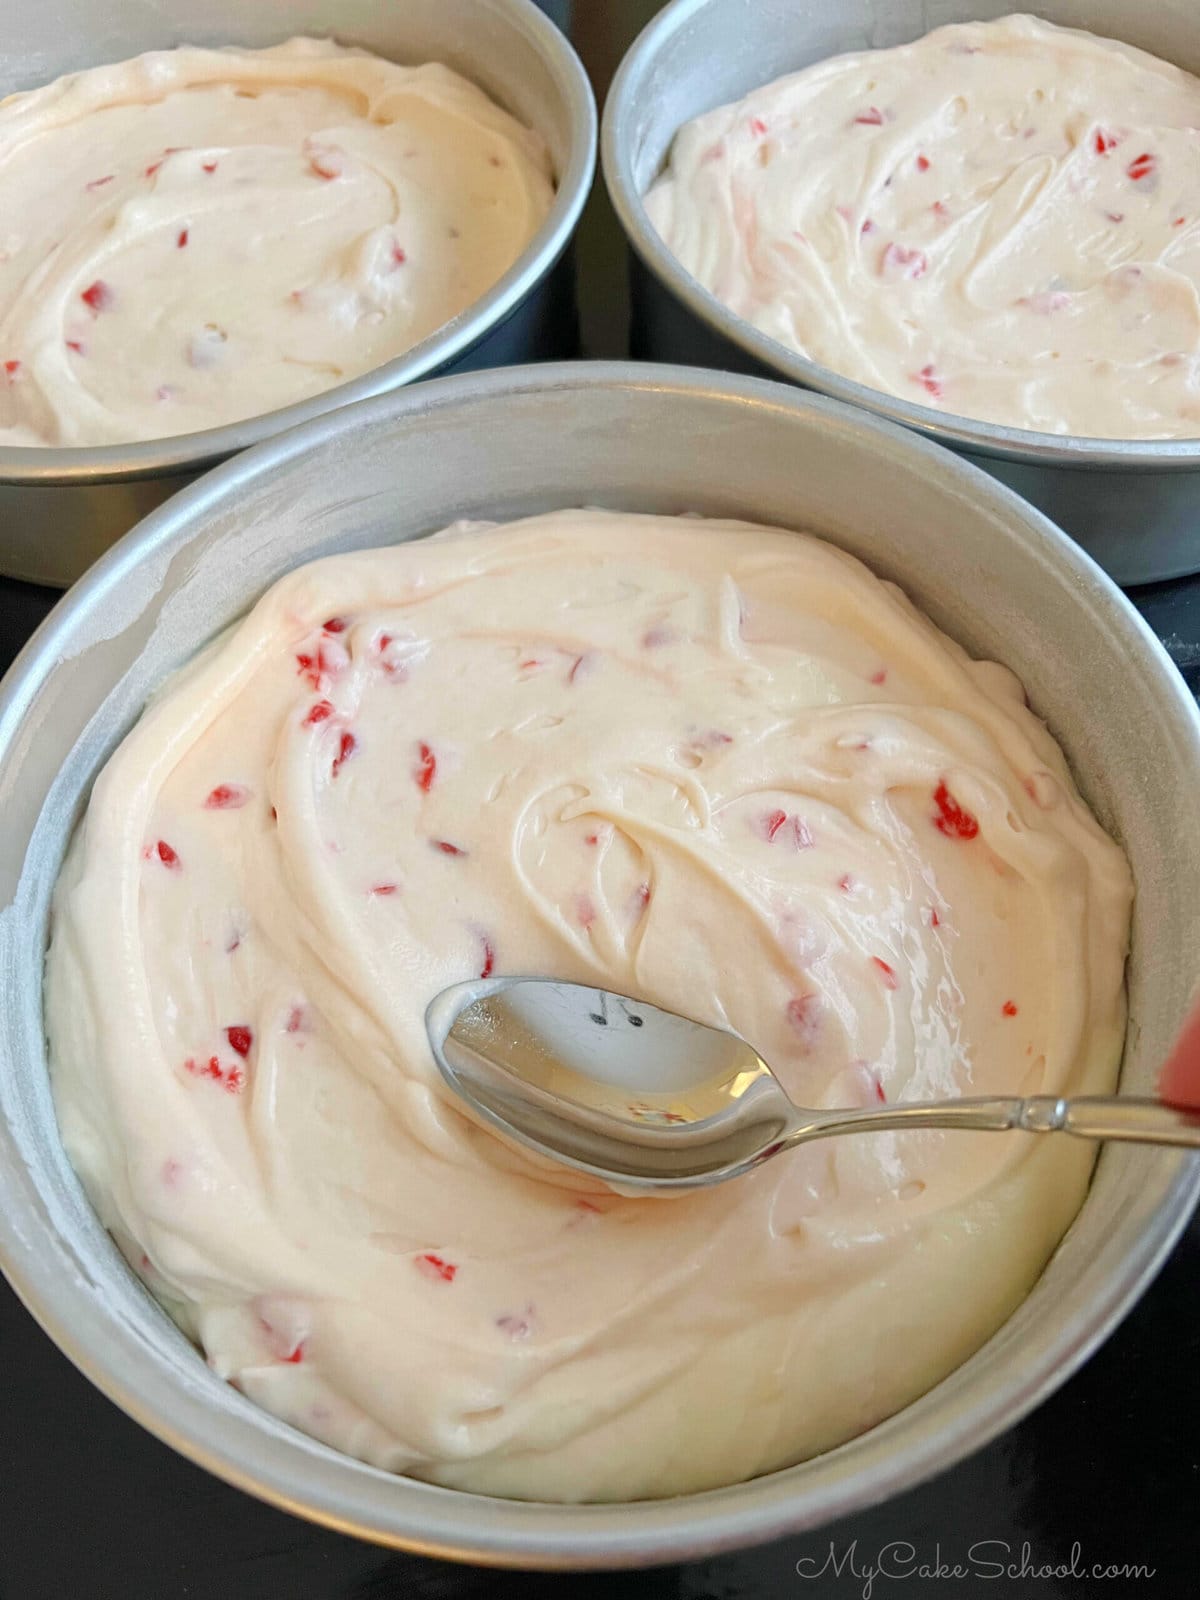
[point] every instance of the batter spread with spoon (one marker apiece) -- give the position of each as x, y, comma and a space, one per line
719, 767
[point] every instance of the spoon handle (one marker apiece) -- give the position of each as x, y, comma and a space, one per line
1088, 1116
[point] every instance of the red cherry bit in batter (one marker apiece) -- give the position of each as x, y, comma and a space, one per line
347, 745
426, 769
97, 296
1142, 167
317, 713
929, 380
890, 980
240, 1038
771, 824
436, 1268
227, 797
952, 819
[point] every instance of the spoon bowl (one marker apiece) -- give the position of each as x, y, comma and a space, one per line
651, 1101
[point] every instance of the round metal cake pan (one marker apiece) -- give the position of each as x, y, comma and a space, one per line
60, 508
1134, 505
988, 569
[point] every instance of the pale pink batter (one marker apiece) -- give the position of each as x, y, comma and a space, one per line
196, 236
1001, 221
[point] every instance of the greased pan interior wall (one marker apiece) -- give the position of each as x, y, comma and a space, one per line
60, 509
988, 569
1135, 506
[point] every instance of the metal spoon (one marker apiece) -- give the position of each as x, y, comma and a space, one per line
561, 1068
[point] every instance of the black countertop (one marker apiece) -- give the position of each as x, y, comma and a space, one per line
1105, 1474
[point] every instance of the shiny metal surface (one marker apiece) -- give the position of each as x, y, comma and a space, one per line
502, 444
60, 509
1135, 506
565, 1069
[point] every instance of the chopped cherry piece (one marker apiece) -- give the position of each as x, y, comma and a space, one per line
97, 296
347, 745
1142, 166
240, 1038
952, 819
436, 1267
426, 769
772, 822
227, 797
929, 381
317, 713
